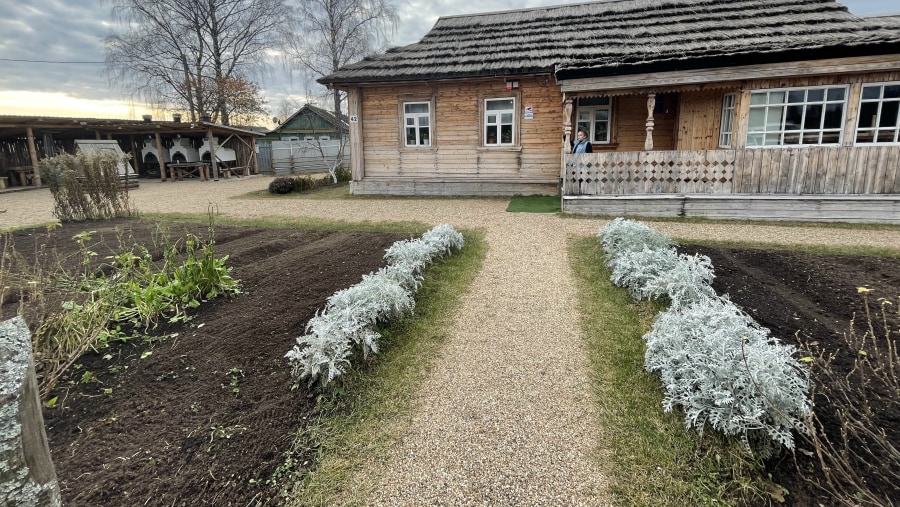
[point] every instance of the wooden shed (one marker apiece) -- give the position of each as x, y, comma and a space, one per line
25, 140
779, 109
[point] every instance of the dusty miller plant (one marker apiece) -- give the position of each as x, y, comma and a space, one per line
725, 370
653, 274
621, 236
349, 321
714, 360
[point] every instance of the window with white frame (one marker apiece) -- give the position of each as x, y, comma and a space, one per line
879, 114
726, 125
796, 116
417, 123
499, 122
594, 115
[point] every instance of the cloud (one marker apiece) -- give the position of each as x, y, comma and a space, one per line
74, 30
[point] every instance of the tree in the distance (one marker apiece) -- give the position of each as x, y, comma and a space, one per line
189, 55
333, 33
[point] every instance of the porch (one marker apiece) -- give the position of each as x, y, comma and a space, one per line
834, 183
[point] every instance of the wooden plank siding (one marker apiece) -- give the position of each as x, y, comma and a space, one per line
784, 171
699, 118
456, 149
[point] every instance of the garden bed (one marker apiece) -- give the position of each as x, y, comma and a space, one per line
811, 299
203, 417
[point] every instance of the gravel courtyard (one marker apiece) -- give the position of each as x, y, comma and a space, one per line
477, 437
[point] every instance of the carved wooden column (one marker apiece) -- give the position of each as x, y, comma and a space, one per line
651, 104
567, 134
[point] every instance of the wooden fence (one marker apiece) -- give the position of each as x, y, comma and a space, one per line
787, 171
302, 157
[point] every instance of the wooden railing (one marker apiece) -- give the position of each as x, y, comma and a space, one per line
813, 170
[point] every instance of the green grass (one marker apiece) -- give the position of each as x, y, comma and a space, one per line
534, 204
358, 419
652, 459
316, 224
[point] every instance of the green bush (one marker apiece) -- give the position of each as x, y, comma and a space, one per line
86, 187
282, 185
303, 183
342, 174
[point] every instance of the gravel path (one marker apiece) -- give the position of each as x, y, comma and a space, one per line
506, 417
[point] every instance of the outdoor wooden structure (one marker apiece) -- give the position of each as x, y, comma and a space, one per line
680, 98
25, 140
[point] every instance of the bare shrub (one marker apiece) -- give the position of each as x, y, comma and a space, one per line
856, 443
86, 187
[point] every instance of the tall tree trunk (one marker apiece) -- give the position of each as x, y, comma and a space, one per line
189, 84
217, 64
337, 114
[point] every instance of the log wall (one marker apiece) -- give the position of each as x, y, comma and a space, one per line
456, 150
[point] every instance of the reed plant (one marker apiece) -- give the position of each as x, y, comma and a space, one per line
86, 187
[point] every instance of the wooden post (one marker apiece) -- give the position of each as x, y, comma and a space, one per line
160, 158
27, 474
253, 162
212, 154
853, 99
357, 160
567, 134
651, 104
741, 120
32, 152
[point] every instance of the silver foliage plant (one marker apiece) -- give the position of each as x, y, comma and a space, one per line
350, 317
714, 360
725, 370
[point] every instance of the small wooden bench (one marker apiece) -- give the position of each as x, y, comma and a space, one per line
180, 170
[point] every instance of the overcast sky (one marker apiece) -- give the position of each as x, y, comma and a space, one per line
73, 31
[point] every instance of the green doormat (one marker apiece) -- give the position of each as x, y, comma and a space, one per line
534, 204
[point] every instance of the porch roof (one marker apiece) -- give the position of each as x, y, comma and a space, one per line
625, 37
13, 126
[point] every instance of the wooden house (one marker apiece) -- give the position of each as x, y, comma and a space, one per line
306, 142
307, 124
779, 109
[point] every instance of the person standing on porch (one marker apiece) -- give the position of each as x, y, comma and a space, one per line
581, 144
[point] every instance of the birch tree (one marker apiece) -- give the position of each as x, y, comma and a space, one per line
191, 54
332, 33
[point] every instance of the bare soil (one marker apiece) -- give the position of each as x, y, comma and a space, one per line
811, 299
206, 417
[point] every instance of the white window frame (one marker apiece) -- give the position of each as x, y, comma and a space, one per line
875, 123
726, 124
414, 120
586, 119
778, 130
493, 119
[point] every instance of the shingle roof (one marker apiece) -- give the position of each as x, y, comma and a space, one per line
619, 37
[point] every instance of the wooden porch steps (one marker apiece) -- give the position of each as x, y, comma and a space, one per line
853, 208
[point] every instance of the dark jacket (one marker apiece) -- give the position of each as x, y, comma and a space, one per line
587, 149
